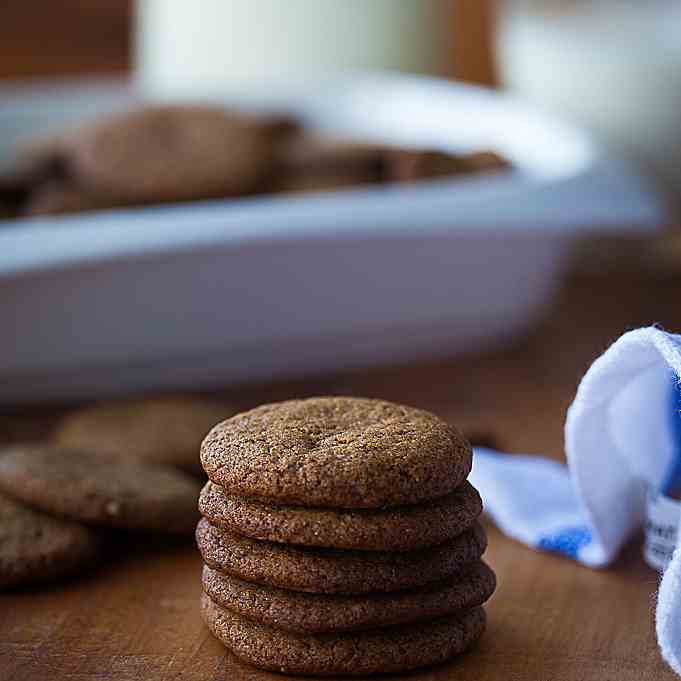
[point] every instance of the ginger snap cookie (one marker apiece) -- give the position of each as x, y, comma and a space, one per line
339, 452
73, 484
35, 547
309, 613
165, 430
397, 528
390, 649
172, 153
319, 570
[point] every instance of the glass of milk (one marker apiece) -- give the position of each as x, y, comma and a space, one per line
204, 48
614, 65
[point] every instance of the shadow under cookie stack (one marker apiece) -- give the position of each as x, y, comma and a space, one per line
340, 536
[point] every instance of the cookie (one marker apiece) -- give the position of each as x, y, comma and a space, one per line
56, 198
309, 184
391, 649
35, 547
318, 162
485, 162
412, 165
398, 528
317, 613
337, 452
120, 494
320, 570
13, 193
172, 153
166, 430
326, 164
30, 171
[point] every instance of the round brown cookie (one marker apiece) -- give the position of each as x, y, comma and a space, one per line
398, 528
311, 163
391, 649
318, 613
337, 452
164, 430
35, 547
73, 484
320, 570
172, 153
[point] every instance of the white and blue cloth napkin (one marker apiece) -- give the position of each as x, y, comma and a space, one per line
622, 437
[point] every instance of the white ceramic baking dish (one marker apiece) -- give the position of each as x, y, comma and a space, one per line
209, 293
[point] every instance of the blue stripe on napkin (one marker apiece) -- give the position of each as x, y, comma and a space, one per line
567, 541
673, 478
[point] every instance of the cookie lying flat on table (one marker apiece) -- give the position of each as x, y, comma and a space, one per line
337, 452
379, 650
320, 570
166, 430
308, 613
120, 494
35, 547
398, 528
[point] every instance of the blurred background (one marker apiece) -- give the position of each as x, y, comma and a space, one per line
538, 48
591, 134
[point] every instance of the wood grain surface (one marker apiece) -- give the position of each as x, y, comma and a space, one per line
137, 616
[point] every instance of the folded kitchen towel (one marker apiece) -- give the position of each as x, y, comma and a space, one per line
622, 438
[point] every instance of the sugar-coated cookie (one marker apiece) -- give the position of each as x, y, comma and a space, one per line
339, 452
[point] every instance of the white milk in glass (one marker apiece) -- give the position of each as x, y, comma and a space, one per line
189, 48
613, 65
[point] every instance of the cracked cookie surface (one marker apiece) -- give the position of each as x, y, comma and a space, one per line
338, 452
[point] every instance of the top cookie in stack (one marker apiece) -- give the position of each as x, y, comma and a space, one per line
333, 525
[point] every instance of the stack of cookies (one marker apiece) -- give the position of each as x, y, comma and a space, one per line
340, 536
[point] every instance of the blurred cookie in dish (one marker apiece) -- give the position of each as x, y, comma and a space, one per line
165, 430
151, 155
310, 163
12, 195
57, 198
173, 153
34, 168
411, 165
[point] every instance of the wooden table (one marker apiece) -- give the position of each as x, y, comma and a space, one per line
137, 617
